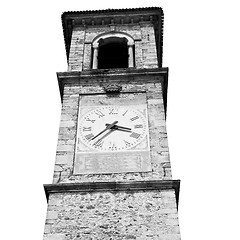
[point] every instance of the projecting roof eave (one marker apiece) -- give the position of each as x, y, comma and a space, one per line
114, 16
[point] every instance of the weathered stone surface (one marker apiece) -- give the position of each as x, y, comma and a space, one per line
64, 158
52, 215
76, 50
115, 215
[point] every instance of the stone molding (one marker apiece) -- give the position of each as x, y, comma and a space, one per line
114, 186
129, 38
112, 75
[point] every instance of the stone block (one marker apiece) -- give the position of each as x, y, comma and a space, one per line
52, 215
67, 123
54, 200
66, 133
172, 222
57, 168
66, 117
64, 158
164, 142
65, 148
55, 236
47, 228
56, 177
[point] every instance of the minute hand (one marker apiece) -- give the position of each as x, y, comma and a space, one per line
107, 127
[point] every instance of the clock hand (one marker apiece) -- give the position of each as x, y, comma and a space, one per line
107, 127
119, 127
100, 139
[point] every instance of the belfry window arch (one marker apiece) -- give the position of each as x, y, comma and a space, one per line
113, 50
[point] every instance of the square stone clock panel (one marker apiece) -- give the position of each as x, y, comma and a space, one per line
112, 134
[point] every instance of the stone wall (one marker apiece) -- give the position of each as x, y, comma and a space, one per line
76, 55
119, 215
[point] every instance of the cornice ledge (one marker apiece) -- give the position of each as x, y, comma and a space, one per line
110, 72
76, 76
113, 186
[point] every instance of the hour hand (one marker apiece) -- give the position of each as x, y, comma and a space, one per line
117, 127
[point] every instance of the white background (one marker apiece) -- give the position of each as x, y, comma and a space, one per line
202, 51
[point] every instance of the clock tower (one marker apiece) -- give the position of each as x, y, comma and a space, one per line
112, 176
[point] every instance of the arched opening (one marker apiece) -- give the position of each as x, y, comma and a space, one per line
113, 50
112, 53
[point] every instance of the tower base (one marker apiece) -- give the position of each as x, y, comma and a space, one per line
113, 210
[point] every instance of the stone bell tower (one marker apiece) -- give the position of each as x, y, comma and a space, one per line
112, 177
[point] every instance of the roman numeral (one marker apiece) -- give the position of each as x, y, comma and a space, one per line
124, 113
127, 144
135, 135
99, 113
113, 111
134, 118
138, 126
98, 143
89, 136
90, 120
87, 128
113, 147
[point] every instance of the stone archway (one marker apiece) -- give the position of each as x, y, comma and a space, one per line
113, 50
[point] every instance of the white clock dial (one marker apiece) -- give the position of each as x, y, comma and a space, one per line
112, 128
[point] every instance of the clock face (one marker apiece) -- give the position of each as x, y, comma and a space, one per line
112, 128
